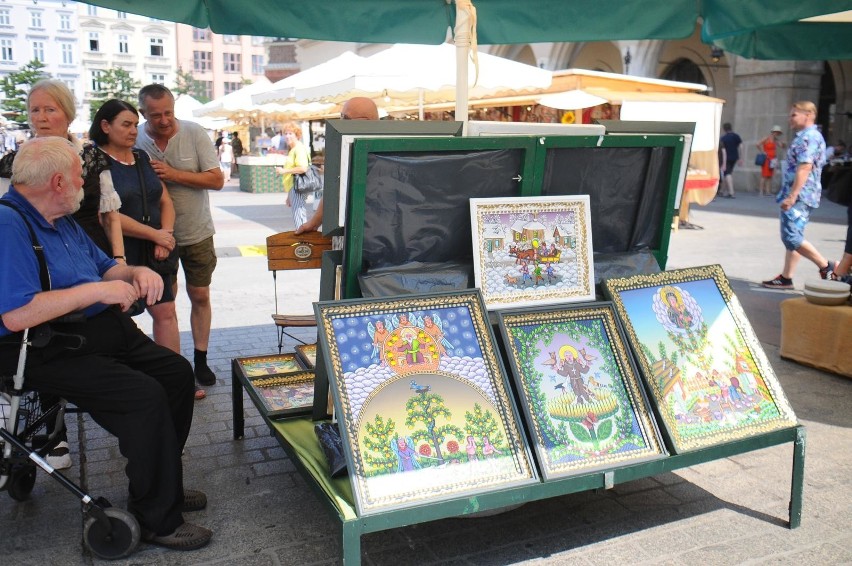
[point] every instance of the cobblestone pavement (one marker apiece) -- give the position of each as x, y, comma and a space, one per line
730, 511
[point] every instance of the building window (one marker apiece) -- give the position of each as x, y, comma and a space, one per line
70, 84
207, 89
65, 22
202, 61
123, 44
96, 80
38, 51
199, 34
158, 78
121, 15
94, 41
4, 17
232, 87
35, 19
258, 40
257, 64
67, 54
231, 38
157, 47
6, 50
91, 10
232, 62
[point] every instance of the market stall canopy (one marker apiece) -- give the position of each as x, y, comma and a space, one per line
334, 69
571, 100
186, 104
725, 22
240, 101
406, 74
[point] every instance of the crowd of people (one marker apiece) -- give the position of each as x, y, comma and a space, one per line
800, 191
113, 220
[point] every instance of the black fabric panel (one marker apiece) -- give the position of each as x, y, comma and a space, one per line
416, 206
627, 189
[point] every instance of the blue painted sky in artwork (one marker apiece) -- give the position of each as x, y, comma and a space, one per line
356, 346
639, 306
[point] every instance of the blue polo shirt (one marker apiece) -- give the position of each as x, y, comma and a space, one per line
72, 257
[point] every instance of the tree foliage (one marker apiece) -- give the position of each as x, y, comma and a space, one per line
381, 434
186, 83
114, 83
427, 408
479, 424
17, 85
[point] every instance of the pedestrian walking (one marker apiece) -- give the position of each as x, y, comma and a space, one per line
732, 144
800, 194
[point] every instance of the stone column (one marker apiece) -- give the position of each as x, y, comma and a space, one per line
765, 91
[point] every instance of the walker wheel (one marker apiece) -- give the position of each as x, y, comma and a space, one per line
121, 542
21, 481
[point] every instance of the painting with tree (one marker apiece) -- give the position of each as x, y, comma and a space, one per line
532, 250
422, 399
705, 369
579, 389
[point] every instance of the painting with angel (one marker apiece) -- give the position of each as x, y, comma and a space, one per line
532, 250
422, 399
706, 371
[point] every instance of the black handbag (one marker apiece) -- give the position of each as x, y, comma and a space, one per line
308, 182
168, 266
329, 439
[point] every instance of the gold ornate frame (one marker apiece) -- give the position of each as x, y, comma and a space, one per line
356, 386
710, 380
572, 435
552, 260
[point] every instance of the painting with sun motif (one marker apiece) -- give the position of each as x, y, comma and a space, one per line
584, 403
424, 405
705, 370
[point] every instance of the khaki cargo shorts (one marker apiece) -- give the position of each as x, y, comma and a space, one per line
198, 262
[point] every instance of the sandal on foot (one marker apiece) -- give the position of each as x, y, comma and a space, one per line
186, 537
193, 500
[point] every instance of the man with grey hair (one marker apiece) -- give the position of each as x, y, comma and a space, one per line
137, 390
186, 161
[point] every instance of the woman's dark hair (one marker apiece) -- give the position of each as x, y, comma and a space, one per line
111, 108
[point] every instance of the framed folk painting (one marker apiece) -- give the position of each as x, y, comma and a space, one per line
284, 395
422, 399
582, 396
306, 354
532, 250
260, 366
705, 369
277, 385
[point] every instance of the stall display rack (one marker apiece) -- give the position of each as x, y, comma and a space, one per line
297, 438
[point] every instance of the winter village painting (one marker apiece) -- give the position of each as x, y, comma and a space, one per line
584, 403
532, 250
422, 400
707, 374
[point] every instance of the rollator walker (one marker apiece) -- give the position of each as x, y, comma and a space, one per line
28, 432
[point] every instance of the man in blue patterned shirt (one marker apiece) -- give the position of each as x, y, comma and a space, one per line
800, 193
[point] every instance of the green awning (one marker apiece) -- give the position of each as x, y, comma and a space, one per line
765, 29
802, 40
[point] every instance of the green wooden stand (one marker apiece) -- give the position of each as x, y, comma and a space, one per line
296, 437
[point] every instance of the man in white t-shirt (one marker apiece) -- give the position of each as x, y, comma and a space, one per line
184, 157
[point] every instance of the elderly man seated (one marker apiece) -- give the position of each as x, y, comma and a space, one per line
138, 391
